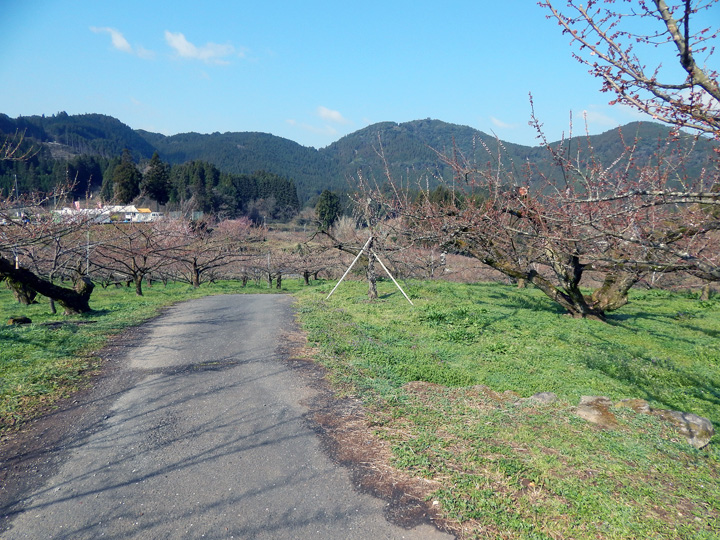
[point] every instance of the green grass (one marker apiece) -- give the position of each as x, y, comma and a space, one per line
504, 468
513, 469
40, 363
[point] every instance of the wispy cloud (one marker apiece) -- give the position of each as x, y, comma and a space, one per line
120, 43
597, 118
500, 124
331, 119
210, 53
331, 116
318, 130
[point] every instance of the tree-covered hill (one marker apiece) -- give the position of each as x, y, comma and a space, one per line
248, 152
410, 149
93, 134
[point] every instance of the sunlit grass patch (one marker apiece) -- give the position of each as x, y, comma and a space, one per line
444, 383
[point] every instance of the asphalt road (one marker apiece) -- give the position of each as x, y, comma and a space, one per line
206, 439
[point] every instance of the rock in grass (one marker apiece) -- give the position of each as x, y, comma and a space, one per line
696, 429
637, 405
596, 409
543, 397
19, 320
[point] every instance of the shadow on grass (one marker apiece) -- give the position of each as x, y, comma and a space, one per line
709, 333
98, 312
679, 384
616, 319
531, 304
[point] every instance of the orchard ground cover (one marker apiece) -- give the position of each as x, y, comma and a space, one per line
443, 384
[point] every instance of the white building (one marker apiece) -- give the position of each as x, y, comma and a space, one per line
111, 214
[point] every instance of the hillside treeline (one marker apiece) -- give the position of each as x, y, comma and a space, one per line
411, 152
196, 186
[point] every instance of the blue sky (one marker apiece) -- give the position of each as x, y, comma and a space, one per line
308, 71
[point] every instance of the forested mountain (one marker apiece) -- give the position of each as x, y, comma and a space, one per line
94, 134
247, 152
410, 150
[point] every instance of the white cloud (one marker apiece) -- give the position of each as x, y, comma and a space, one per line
596, 118
630, 112
210, 53
144, 53
318, 130
118, 40
121, 44
499, 123
331, 116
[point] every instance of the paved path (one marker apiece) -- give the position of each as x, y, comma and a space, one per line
208, 441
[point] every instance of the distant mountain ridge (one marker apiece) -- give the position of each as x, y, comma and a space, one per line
409, 148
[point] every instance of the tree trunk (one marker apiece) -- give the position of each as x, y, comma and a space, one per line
84, 286
73, 301
279, 281
22, 293
574, 303
195, 274
613, 294
371, 274
705, 293
306, 277
138, 284
571, 300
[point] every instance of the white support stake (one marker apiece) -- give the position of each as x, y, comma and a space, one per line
391, 277
349, 268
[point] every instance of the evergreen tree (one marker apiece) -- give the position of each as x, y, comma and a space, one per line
126, 180
327, 209
85, 171
156, 181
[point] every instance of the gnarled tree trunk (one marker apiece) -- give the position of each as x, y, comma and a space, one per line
22, 293
72, 300
613, 294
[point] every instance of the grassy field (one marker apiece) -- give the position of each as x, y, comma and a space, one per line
441, 384
506, 468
